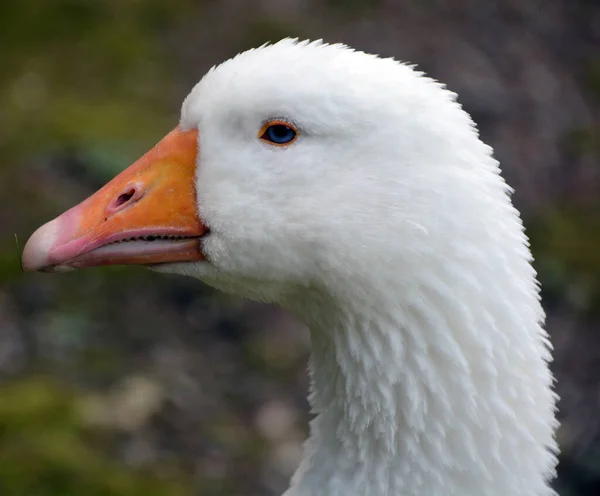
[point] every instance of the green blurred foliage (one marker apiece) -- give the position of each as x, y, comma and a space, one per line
565, 246
565, 238
68, 62
46, 449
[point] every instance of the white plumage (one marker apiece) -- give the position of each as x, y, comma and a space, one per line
387, 228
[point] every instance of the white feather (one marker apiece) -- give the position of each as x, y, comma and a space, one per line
387, 228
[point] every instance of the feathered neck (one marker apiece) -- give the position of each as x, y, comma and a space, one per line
432, 389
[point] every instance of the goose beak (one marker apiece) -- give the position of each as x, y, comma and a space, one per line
145, 215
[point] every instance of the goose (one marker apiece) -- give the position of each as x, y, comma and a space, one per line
353, 191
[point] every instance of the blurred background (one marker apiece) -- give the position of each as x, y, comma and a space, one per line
118, 381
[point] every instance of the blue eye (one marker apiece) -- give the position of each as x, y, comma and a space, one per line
278, 133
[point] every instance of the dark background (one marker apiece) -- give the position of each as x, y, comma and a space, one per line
118, 381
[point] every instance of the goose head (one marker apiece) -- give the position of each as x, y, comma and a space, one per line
354, 191
291, 164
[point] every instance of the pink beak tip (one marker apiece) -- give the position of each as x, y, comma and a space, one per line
37, 249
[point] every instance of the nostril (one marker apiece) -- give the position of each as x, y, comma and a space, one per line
130, 195
125, 197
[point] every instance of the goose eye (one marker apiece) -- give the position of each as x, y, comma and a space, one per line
278, 133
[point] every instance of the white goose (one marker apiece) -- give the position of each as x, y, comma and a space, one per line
355, 192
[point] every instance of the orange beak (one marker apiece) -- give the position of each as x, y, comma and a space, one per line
145, 215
